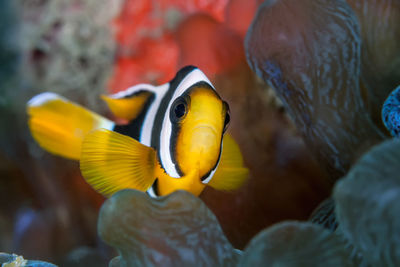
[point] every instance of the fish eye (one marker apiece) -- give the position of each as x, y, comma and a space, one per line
227, 116
178, 109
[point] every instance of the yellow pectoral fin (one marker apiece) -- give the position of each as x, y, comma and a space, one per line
231, 172
59, 125
111, 162
127, 108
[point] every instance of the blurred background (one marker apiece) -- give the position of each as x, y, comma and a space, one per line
83, 48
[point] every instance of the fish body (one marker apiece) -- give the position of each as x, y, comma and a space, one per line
174, 138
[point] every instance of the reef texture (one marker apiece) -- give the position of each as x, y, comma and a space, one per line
176, 230
368, 206
149, 47
12, 260
297, 244
309, 51
391, 112
68, 46
148, 51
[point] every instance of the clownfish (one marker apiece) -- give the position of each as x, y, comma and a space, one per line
174, 139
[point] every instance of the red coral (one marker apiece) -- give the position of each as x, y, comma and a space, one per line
240, 13
149, 48
214, 48
154, 62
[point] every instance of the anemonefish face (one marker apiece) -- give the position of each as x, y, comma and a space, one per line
199, 119
193, 120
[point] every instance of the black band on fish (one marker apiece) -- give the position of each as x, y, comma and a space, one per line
162, 110
155, 138
134, 128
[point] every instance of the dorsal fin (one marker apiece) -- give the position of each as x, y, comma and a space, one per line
128, 104
127, 108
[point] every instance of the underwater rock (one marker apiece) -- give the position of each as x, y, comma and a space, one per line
380, 33
309, 51
296, 244
12, 260
391, 112
176, 230
368, 205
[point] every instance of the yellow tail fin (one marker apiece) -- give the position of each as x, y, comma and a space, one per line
111, 161
59, 125
231, 172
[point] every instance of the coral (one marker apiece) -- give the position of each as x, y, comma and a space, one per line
391, 112
296, 244
154, 62
239, 14
367, 200
144, 31
8, 260
309, 51
218, 50
153, 45
68, 46
176, 230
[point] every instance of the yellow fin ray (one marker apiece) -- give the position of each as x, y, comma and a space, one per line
127, 108
111, 162
231, 172
59, 125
